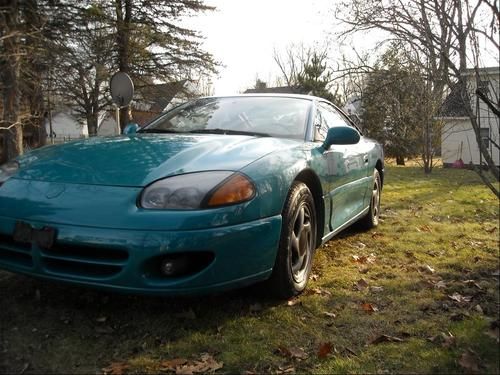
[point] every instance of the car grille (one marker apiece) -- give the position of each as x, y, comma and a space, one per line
15, 253
64, 259
84, 261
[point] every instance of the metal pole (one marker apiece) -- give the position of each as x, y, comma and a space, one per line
118, 130
50, 111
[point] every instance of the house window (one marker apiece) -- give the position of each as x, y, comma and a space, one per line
485, 136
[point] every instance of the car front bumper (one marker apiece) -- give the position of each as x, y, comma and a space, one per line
128, 260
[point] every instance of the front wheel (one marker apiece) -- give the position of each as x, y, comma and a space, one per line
297, 243
372, 218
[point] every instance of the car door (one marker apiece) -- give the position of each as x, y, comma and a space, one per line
345, 169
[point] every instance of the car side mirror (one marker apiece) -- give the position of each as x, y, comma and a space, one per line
341, 135
131, 129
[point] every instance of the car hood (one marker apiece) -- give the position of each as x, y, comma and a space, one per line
140, 159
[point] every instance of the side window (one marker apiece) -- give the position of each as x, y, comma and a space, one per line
320, 126
326, 117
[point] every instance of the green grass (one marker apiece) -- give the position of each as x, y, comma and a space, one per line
438, 236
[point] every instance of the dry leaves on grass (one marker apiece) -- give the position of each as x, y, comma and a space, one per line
424, 228
293, 353
206, 364
294, 301
325, 349
369, 308
180, 366
361, 285
321, 292
469, 362
427, 269
364, 259
457, 297
445, 339
287, 369
116, 368
386, 338
329, 314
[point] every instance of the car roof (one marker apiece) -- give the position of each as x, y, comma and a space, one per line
296, 96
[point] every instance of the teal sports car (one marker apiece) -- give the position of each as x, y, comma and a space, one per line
215, 194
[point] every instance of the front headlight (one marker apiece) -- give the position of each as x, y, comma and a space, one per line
7, 170
197, 190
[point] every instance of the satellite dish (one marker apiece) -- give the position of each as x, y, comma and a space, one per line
122, 89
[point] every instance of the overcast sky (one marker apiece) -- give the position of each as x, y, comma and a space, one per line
242, 35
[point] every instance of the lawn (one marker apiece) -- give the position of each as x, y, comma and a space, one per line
418, 294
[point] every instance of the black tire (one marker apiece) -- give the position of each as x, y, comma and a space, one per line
297, 243
371, 219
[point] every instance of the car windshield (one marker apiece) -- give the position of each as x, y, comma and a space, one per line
253, 115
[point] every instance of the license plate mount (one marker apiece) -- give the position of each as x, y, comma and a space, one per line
26, 233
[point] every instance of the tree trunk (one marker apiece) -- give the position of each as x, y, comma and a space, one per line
34, 83
400, 160
10, 81
123, 22
92, 124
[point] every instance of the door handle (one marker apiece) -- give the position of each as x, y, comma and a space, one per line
365, 159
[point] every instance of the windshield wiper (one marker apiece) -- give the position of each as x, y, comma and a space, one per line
229, 132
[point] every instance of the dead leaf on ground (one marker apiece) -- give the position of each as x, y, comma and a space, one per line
329, 314
325, 349
361, 284
448, 339
440, 285
386, 338
101, 319
424, 228
369, 308
457, 297
314, 277
473, 282
116, 368
469, 362
293, 302
377, 234
427, 269
172, 364
206, 364
490, 230
359, 245
290, 369
321, 292
363, 259
376, 289
293, 352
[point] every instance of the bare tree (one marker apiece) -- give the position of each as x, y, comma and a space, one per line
439, 33
11, 129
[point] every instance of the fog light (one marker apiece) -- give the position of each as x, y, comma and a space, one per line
173, 266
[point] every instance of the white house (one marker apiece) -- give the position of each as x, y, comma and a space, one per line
65, 127
458, 140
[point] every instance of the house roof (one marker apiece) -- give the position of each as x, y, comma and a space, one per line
453, 105
278, 90
160, 95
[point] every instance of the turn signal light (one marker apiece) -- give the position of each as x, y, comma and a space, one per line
236, 189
